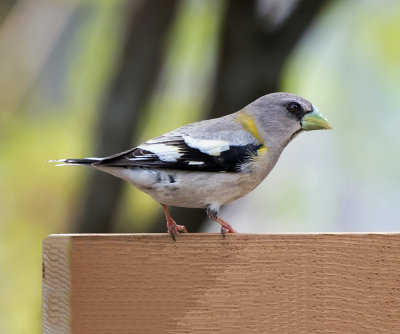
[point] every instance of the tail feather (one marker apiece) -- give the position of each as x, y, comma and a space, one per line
76, 162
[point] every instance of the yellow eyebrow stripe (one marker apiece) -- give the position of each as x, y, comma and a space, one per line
248, 124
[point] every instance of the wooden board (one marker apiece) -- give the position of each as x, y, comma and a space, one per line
202, 283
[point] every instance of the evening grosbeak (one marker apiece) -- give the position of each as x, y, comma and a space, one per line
213, 162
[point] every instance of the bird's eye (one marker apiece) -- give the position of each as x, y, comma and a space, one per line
294, 108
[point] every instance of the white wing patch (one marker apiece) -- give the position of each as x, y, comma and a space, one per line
164, 152
161, 139
212, 147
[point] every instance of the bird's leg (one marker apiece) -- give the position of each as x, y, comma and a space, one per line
225, 227
172, 226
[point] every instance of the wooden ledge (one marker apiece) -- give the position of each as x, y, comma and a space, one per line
245, 283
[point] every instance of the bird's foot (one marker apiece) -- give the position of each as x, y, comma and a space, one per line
174, 228
226, 228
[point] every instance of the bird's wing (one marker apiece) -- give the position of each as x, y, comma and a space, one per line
179, 150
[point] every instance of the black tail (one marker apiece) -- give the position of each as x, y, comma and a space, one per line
81, 162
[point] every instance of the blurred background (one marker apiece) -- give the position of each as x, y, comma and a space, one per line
91, 78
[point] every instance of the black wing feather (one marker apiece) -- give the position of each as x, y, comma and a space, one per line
227, 161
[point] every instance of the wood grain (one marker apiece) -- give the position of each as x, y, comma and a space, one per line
202, 283
56, 285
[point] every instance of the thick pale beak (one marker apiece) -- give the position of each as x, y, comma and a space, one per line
314, 121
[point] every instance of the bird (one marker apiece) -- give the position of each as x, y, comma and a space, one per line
213, 162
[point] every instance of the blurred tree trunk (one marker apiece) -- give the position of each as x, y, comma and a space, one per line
134, 80
255, 49
5, 8
255, 45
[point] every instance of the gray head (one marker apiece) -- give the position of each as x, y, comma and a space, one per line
281, 116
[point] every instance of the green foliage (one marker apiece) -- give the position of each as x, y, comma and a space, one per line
35, 197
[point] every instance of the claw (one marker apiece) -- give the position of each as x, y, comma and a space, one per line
181, 228
224, 231
225, 227
172, 232
172, 226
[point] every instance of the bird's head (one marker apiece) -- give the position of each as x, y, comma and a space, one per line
282, 116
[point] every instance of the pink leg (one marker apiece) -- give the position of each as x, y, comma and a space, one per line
225, 227
172, 226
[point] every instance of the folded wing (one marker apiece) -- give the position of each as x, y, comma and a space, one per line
181, 151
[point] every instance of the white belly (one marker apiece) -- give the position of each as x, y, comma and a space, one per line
186, 188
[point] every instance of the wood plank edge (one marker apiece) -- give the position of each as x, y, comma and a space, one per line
218, 235
56, 285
